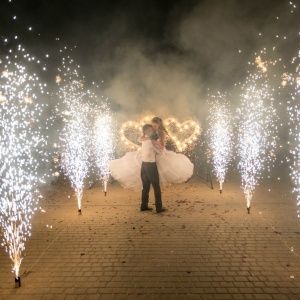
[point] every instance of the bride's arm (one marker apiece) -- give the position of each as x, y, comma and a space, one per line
158, 145
143, 138
162, 137
162, 143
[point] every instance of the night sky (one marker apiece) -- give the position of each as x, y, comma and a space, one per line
154, 55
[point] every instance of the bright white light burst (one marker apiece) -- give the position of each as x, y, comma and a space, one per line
22, 151
220, 136
293, 107
76, 132
103, 143
257, 132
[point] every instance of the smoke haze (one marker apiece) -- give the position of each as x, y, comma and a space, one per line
162, 57
201, 47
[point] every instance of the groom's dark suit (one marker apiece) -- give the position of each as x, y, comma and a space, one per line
149, 175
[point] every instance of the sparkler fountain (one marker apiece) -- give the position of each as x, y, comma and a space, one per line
220, 136
103, 144
293, 108
75, 134
22, 151
256, 130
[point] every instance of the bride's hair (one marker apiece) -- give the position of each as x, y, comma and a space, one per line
160, 123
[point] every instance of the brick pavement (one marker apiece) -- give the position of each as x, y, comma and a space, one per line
205, 247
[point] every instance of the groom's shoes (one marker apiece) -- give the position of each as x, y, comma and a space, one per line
161, 210
146, 209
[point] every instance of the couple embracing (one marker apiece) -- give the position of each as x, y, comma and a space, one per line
152, 165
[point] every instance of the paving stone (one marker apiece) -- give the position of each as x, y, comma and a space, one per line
112, 251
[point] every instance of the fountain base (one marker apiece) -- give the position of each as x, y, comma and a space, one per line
17, 282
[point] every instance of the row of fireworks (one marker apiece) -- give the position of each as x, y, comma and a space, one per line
88, 132
26, 129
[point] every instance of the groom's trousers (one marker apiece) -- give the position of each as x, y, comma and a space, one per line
149, 175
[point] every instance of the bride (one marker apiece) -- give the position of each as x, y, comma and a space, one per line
172, 167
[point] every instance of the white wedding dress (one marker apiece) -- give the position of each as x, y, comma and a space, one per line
172, 168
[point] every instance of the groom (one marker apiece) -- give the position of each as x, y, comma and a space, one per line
149, 172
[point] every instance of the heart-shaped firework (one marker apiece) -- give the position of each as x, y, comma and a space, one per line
184, 135
131, 131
